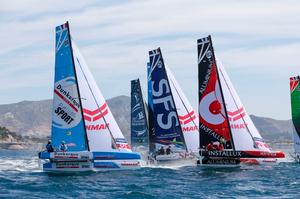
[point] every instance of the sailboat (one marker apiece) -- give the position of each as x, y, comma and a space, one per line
227, 133
295, 102
81, 118
166, 139
188, 118
139, 125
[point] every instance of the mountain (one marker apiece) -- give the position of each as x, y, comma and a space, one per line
273, 130
32, 119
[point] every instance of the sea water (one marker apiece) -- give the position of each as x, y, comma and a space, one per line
20, 177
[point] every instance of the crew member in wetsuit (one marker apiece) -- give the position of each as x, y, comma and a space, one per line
168, 150
63, 147
161, 151
49, 147
210, 146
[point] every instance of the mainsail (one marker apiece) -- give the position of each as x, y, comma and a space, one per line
165, 129
222, 115
213, 121
188, 118
67, 118
139, 127
295, 102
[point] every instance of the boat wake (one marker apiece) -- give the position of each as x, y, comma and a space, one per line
12, 164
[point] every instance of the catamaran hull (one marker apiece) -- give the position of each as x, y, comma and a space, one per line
219, 162
172, 160
89, 161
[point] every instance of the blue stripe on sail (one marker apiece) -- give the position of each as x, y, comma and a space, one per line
165, 118
67, 123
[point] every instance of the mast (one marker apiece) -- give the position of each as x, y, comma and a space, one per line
80, 103
221, 90
151, 129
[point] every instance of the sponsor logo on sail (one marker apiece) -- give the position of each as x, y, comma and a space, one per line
95, 115
237, 115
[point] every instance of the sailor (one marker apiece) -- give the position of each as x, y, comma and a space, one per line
49, 147
210, 146
161, 151
220, 147
168, 150
63, 147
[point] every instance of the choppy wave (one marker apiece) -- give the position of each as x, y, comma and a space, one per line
20, 177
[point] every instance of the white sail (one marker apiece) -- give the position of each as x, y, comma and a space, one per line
244, 133
103, 132
187, 116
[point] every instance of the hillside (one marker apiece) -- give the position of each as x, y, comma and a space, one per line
32, 119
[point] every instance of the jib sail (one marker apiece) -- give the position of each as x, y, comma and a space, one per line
103, 131
166, 125
139, 127
188, 118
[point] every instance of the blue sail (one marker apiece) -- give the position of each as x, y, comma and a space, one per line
67, 120
165, 129
139, 127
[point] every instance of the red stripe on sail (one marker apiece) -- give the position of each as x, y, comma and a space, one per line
186, 116
65, 100
94, 112
293, 83
189, 120
101, 115
87, 118
239, 116
235, 112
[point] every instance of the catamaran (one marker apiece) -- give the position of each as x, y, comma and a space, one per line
166, 139
139, 124
227, 133
295, 102
82, 119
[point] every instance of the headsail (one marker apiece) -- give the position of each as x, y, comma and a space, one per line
103, 131
244, 132
139, 127
166, 126
67, 119
213, 120
188, 118
295, 102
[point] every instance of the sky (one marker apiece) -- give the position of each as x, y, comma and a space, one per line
257, 41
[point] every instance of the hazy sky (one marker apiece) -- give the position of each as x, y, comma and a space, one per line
257, 41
